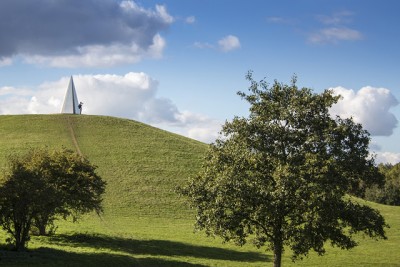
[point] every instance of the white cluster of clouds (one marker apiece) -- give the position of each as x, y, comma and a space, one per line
87, 33
369, 106
81, 33
229, 43
99, 55
225, 44
133, 96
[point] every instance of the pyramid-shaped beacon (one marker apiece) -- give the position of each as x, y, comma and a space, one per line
71, 103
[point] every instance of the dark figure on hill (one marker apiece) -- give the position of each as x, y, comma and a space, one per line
80, 107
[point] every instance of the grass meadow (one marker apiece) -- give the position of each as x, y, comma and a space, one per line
145, 223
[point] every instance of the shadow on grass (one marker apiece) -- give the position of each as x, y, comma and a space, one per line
51, 257
156, 248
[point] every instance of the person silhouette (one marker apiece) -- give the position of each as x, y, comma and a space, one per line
80, 107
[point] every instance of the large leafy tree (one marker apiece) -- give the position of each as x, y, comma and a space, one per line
42, 185
282, 176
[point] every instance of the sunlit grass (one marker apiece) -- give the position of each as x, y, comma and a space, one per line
145, 223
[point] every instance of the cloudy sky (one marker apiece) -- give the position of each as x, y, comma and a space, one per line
177, 65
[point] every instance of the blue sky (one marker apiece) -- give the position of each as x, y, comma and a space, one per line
177, 65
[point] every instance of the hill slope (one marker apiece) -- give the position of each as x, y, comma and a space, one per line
140, 163
145, 223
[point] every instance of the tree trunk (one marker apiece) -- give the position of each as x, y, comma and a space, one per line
42, 229
41, 222
20, 245
18, 236
21, 235
277, 256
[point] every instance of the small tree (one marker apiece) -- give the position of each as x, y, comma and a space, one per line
44, 184
281, 175
20, 196
76, 186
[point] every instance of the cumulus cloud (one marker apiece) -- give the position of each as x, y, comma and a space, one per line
82, 33
229, 43
369, 106
133, 96
98, 55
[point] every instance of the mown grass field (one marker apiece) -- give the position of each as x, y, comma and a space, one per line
145, 223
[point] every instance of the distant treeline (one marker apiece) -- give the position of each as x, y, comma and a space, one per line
389, 193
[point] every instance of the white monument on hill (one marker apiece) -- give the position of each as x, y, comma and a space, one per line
71, 104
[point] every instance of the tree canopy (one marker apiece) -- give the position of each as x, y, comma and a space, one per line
281, 177
44, 184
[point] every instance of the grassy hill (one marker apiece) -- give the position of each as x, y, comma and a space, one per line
145, 223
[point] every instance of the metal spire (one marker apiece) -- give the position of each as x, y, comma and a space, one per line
71, 102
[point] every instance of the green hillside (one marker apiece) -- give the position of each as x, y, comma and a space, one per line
145, 223
140, 163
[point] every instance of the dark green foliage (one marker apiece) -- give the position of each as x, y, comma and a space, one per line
20, 197
44, 184
280, 177
389, 193
77, 187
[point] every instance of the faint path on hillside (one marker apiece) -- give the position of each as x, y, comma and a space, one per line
71, 129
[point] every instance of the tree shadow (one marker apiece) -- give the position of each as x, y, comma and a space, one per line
156, 247
52, 257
